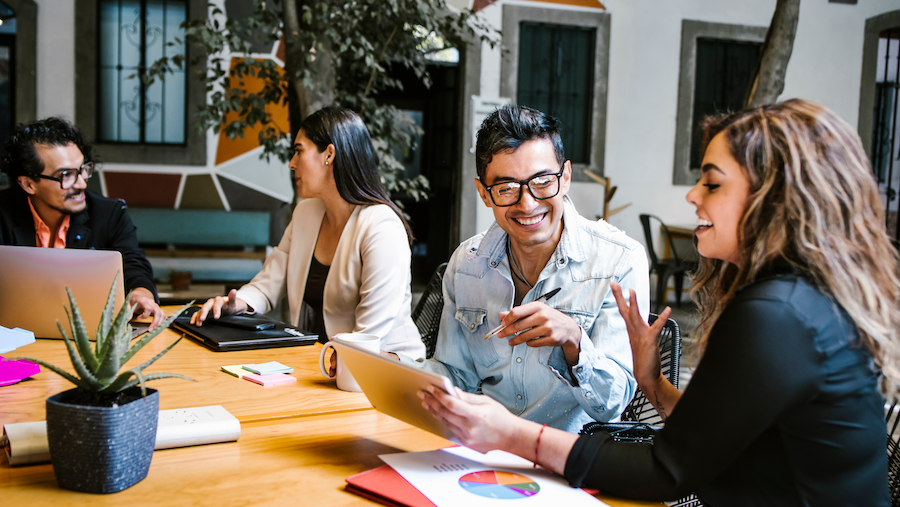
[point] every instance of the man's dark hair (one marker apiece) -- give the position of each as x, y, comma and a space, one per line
508, 127
20, 157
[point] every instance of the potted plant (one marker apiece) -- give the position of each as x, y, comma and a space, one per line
102, 432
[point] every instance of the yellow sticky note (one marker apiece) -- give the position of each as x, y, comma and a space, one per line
236, 370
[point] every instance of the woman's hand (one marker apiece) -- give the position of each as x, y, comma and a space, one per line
643, 337
645, 352
219, 305
478, 421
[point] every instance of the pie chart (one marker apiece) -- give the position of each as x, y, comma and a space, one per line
498, 484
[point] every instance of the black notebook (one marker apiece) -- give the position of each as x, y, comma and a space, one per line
242, 332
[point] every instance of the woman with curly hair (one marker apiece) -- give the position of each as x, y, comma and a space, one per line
798, 292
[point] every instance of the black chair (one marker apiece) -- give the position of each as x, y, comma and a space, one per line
427, 314
665, 268
640, 409
892, 419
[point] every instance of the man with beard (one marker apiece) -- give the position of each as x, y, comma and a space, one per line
48, 163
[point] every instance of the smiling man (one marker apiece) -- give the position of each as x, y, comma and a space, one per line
562, 362
48, 163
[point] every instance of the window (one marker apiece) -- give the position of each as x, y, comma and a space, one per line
723, 74
7, 72
885, 149
556, 76
132, 35
558, 62
716, 63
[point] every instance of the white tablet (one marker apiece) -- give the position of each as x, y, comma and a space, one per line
391, 386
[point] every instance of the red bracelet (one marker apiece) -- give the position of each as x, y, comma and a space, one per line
537, 446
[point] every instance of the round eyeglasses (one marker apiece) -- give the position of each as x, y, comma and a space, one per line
68, 177
509, 193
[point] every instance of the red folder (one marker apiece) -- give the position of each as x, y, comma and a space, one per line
385, 486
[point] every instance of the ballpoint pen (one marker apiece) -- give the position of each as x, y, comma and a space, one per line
545, 297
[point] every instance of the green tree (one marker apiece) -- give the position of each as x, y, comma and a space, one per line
337, 52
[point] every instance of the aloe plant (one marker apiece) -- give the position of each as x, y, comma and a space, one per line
99, 366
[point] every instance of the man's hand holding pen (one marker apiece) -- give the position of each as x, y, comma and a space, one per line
539, 325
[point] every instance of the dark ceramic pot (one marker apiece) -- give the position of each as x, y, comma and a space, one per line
101, 449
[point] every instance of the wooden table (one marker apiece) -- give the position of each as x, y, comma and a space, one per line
298, 443
311, 394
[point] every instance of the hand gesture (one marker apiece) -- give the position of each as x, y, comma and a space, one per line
542, 326
478, 421
219, 305
644, 338
145, 305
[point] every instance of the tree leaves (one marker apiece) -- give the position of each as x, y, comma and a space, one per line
367, 38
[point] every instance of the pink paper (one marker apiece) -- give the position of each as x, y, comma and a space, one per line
16, 371
270, 380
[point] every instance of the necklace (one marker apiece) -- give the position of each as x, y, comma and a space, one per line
515, 265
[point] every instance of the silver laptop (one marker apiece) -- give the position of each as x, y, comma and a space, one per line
392, 386
33, 285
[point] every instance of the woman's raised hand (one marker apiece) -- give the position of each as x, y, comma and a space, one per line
644, 338
219, 305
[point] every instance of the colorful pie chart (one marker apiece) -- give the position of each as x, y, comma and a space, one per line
500, 485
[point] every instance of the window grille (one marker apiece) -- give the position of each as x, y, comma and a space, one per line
885, 146
132, 35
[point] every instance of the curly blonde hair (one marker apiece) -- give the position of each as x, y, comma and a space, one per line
814, 203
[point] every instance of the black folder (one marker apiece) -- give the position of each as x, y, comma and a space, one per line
224, 338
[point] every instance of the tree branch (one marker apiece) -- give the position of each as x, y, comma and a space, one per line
768, 80
372, 76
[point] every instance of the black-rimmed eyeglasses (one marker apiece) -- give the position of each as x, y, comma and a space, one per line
509, 193
68, 177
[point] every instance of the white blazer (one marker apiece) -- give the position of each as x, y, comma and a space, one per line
367, 288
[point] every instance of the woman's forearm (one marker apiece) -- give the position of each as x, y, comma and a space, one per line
552, 450
661, 394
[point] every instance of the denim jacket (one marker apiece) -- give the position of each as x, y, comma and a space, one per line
535, 383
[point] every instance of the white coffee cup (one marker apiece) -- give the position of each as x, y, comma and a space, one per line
345, 381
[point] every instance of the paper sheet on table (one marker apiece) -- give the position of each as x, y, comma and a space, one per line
460, 476
11, 339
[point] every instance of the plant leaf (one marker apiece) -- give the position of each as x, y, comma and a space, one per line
154, 376
118, 384
157, 356
79, 366
79, 334
55, 369
106, 317
152, 334
140, 377
116, 344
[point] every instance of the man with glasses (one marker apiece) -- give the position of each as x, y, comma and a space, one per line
560, 359
48, 163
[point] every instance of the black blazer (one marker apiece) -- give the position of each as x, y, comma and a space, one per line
103, 225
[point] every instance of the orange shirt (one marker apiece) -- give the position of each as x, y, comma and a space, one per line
42, 233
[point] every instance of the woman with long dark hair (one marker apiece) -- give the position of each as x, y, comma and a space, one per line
345, 253
798, 291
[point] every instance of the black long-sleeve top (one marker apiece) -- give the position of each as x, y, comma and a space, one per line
103, 225
783, 409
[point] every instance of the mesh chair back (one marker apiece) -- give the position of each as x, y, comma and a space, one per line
640, 409
892, 418
427, 314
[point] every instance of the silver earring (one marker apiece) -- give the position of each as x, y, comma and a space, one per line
326, 162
